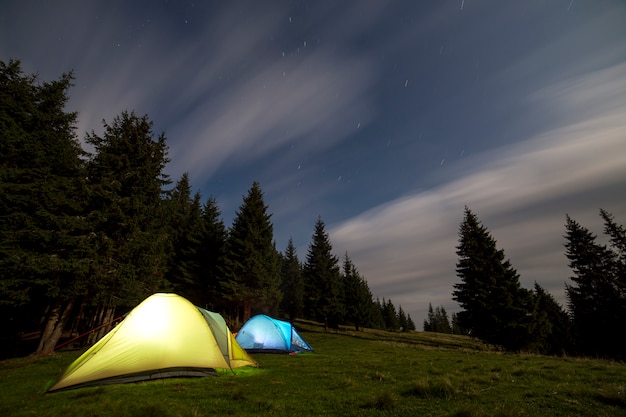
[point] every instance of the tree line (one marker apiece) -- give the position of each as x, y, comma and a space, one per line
497, 310
84, 237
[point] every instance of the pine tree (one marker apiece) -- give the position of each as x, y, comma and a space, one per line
292, 283
252, 276
390, 316
437, 320
42, 228
551, 333
410, 323
377, 320
357, 296
456, 327
444, 321
596, 298
323, 297
126, 212
617, 238
402, 319
430, 319
495, 308
211, 252
185, 223
126, 179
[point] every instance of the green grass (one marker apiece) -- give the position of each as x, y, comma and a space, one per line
368, 373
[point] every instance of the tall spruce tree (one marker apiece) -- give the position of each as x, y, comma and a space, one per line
126, 212
357, 296
292, 283
495, 308
377, 320
402, 319
184, 221
410, 324
430, 318
42, 230
552, 327
596, 298
390, 316
437, 320
456, 326
211, 253
323, 297
252, 276
617, 239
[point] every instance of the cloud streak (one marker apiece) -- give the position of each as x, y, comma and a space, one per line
407, 248
276, 105
401, 111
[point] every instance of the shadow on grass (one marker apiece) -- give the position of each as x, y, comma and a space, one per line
384, 401
616, 399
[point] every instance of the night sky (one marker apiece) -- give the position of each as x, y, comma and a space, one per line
384, 118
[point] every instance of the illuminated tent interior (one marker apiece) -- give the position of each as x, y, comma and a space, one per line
164, 336
265, 334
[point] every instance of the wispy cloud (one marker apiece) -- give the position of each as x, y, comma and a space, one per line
249, 105
309, 103
338, 106
222, 95
521, 193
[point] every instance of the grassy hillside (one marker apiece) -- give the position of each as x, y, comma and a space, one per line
350, 374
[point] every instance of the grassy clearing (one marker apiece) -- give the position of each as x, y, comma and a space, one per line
350, 374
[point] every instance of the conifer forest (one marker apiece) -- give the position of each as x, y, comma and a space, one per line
86, 236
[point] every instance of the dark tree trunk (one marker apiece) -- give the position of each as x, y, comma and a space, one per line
95, 323
54, 324
247, 310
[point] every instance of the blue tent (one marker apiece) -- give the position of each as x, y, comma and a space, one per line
264, 334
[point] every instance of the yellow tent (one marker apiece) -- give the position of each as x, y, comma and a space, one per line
164, 336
